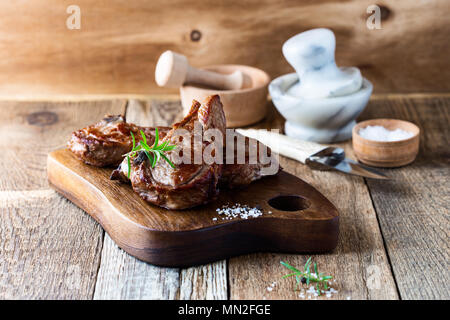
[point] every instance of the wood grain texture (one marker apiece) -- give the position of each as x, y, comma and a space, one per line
49, 249
359, 263
205, 282
413, 207
119, 42
122, 276
46, 242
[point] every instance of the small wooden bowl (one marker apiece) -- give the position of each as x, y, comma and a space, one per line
386, 153
242, 107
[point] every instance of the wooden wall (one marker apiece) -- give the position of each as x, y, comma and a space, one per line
116, 49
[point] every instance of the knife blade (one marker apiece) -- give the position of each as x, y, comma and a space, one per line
314, 155
334, 159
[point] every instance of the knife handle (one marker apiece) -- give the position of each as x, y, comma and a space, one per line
289, 147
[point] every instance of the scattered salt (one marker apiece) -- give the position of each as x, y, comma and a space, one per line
312, 292
238, 211
270, 288
380, 133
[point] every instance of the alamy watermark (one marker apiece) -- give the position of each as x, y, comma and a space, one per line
374, 20
211, 146
73, 22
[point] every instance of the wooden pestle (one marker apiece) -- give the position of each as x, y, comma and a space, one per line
173, 71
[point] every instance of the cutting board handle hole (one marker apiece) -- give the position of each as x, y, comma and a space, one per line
289, 203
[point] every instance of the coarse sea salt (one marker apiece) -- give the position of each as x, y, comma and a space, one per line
270, 288
238, 211
380, 133
312, 292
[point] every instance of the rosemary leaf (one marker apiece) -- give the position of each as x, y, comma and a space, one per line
129, 166
169, 148
320, 280
134, 140
143, 137
156, 137
167, 159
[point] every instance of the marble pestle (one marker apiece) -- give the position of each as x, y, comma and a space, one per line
311, 54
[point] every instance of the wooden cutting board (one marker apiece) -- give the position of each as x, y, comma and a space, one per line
296, 217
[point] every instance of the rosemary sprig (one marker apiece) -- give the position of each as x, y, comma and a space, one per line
154, 153
307, 277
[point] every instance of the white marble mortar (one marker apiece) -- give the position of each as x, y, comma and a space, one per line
323, 120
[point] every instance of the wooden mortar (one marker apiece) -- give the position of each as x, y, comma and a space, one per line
242, 106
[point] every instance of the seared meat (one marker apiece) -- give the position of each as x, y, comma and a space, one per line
188, 184
105, 143
235, 174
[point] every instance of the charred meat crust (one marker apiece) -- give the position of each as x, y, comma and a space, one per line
104, 143
187, 185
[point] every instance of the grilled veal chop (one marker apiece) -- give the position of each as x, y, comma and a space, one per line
188, 184
105, 143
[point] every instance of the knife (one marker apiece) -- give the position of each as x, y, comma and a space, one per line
314, 155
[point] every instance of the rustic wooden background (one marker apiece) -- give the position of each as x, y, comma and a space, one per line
51, 249
393, 240
116, 49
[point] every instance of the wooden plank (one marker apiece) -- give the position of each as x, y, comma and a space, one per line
413, 207
205, 282
359, 264
119, 42
124, 277
49, 249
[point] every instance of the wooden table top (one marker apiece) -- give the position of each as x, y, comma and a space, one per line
394, 235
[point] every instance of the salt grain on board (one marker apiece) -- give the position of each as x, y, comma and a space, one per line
270, 288
312, 292
238, 211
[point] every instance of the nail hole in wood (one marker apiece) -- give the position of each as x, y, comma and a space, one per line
289, 203
385, 12
42, 118
196, 35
